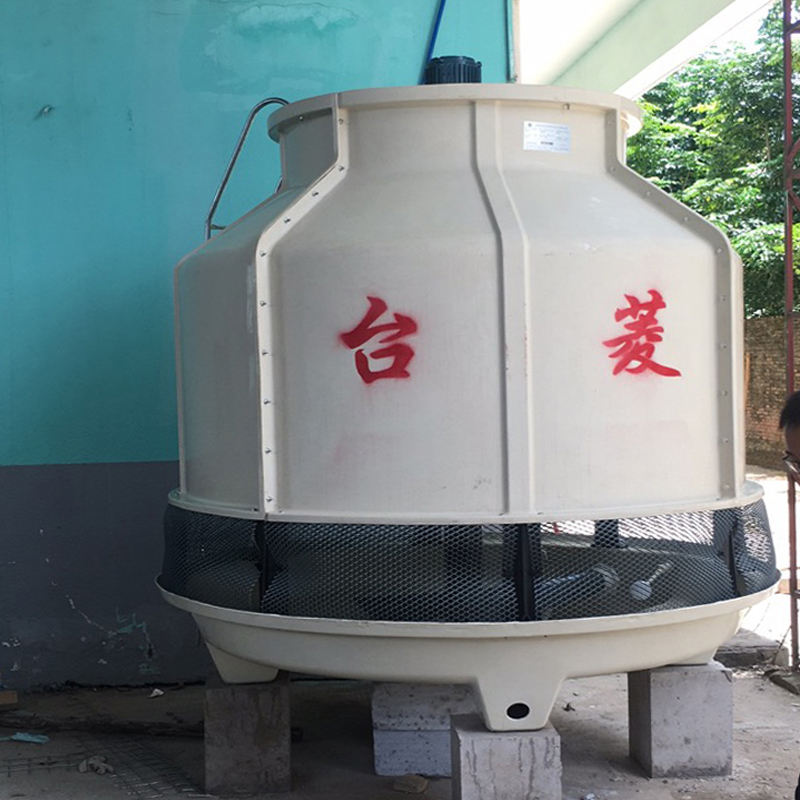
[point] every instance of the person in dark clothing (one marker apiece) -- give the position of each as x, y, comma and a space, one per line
790, 425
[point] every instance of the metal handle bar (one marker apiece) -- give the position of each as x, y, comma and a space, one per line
237, 150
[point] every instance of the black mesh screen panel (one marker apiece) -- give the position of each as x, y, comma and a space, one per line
469, 573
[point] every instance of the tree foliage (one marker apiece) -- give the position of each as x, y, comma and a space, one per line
713, 138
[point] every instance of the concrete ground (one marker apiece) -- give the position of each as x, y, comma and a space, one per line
155, 743
334, 758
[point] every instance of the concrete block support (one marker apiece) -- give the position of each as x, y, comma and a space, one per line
417, 752
247, 737
504, 765
411, 727
681, 720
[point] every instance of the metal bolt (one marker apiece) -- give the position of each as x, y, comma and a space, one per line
288, 219
262, 253
341, 169
264, 353
314, 194
263, 303
266, 402
267, 450
648, 193
686, 219
269, 499
719, 250
341, 121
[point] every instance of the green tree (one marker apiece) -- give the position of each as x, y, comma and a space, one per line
713, 138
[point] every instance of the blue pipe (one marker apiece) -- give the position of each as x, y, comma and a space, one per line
511, 65
433, 37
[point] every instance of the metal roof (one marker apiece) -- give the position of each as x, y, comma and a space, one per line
623, 46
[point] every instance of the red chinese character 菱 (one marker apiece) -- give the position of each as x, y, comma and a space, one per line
634, 350
400, 353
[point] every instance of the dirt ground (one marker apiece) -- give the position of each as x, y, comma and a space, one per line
334, 758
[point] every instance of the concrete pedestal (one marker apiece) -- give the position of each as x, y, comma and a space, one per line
681, 720
504, 765
247, 737
411, 727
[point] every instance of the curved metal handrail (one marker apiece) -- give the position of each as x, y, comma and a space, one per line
209, 226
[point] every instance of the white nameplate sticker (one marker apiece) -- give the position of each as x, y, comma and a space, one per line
545, 136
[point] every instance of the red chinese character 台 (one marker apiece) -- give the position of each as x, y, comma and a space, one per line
387, 334
634, 350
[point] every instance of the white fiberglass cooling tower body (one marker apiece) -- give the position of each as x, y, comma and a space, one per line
462, 403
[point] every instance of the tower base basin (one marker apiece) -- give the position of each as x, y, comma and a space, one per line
515, 669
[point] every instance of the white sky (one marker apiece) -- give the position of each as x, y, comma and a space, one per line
745, 32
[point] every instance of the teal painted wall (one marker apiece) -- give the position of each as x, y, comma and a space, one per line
116, 120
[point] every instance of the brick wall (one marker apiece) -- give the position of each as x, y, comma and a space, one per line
765, 388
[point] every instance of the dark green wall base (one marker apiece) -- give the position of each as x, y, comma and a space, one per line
80, 547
